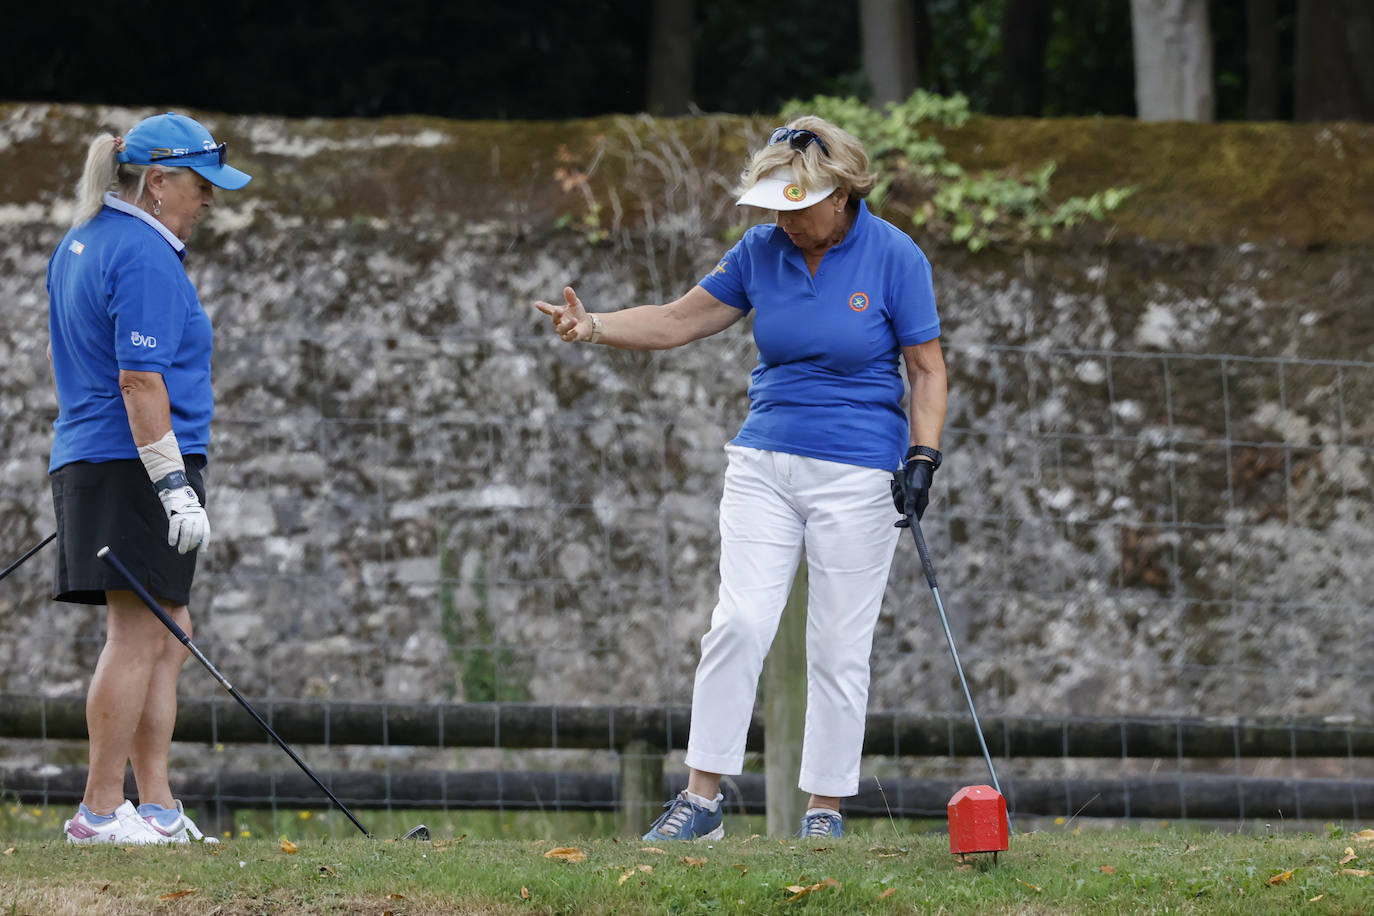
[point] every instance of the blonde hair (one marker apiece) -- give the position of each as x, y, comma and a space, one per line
103, 172
844, 164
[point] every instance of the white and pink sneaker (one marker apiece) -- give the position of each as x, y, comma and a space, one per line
124, 826
172, 824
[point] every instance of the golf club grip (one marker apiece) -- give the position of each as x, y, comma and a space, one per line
923, 550
33, 550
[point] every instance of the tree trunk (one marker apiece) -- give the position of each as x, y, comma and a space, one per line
887, 32
1261, 60
1025, 32
671, 45
1335, 63
1173, 60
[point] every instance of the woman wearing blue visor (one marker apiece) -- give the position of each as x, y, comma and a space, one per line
130, 348
841, 301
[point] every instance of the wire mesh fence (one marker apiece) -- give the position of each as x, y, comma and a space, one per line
1183, 532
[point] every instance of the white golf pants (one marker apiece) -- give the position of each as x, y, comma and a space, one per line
774, 504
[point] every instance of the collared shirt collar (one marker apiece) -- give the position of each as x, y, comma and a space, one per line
114, 203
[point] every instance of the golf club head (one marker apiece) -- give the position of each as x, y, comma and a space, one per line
418, 832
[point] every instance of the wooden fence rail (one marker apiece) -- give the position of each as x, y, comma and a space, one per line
641, 735
524, 726
1169, 798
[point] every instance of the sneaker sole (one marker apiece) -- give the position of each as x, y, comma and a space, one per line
717, 834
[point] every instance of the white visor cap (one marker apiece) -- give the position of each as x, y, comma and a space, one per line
779, 190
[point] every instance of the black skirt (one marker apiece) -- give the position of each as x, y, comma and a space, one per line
112, 503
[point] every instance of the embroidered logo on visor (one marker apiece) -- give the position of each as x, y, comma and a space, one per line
794, 192
858, 302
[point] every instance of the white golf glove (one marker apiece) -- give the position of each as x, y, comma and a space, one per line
188, 527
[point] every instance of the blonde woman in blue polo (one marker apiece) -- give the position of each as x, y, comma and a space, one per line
841, 300
130, 348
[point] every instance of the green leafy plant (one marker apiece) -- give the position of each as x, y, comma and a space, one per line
973, 209
488, 672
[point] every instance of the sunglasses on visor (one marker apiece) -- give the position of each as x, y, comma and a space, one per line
211, 156
797, 139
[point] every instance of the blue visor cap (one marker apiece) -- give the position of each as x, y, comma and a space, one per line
176, 140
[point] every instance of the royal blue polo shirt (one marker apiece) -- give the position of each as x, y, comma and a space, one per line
119, 298
828, 383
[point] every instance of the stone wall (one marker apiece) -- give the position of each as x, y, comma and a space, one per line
1154, 499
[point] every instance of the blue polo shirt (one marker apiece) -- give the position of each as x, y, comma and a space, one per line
827, 384
119, 298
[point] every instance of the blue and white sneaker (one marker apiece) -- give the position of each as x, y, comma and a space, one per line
819, 823
683, 819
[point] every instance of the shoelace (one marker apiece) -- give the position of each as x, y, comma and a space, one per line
679, 812
818, 824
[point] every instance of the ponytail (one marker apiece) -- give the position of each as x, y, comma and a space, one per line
96, 178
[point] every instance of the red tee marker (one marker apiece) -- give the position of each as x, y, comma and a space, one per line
977, 821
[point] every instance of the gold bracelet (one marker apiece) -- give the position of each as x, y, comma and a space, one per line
596, 329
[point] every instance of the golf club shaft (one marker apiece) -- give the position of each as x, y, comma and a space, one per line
929, 569
33, 550
114, 562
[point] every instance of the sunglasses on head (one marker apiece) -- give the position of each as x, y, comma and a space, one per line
213, 155
797, 139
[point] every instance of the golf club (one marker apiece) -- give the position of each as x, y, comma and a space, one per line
33, 550
105, 553
929, 569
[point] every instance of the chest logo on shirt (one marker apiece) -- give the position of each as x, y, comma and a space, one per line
858, 301
794, 192
139, 340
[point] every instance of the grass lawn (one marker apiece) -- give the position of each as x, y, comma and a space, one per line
879, 869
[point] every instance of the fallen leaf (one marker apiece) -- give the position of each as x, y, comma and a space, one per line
655, 849
631, 871
103, 888
288, 847
327, 872
693, 861
388, 913
1349, 856
799, 892
10, 851
524, 892
566, 853
395, 896
1108, 870
795, 888
741, 868
1029, 885
1315, 899
1364, 836
175, 895
1283, 877
887, 893
1356, 872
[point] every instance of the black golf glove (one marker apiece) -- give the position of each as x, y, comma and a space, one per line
911, 484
